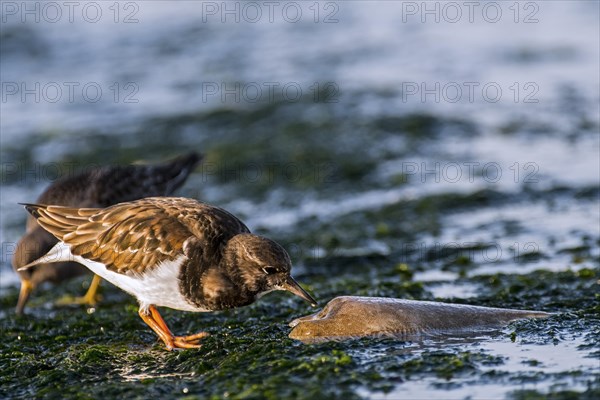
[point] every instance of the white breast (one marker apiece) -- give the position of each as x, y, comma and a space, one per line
158, 285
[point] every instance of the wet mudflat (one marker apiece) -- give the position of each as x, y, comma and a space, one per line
490, 204
480, 247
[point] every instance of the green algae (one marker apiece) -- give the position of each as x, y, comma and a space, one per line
248, 355
70, 353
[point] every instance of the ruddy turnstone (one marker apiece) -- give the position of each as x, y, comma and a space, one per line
98, 187
170, 252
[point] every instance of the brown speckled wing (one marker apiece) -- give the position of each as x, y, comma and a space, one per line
134, 236
102, 187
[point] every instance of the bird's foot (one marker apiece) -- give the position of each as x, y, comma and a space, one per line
68, 300
91, 297
152, 317
186, 342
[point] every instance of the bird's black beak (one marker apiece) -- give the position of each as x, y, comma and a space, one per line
292, 286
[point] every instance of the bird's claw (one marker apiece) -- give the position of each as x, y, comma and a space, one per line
82, 300
187, 342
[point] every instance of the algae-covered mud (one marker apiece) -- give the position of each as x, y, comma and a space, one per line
372, 169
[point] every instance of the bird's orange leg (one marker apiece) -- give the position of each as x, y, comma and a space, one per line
91, 297
158, 325
166, 336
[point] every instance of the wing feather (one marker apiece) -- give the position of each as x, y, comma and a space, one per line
135, 236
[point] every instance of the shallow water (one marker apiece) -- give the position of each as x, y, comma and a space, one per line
374, 189
524, 359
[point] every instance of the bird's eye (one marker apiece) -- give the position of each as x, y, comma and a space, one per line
269, 270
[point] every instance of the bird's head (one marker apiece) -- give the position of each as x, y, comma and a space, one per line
262, 266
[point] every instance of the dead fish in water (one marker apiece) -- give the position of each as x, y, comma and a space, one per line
348, 317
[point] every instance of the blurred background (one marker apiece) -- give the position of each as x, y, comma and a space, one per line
317, 111
449, 140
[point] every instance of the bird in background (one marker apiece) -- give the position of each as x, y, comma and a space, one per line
96, 187
169, 252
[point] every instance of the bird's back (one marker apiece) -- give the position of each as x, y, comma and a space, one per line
101, 187
142, 233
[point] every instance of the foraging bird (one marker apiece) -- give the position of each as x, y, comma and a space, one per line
170, 252
98, 187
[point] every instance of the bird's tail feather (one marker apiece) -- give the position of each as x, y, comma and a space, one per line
59, 253
59, 220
